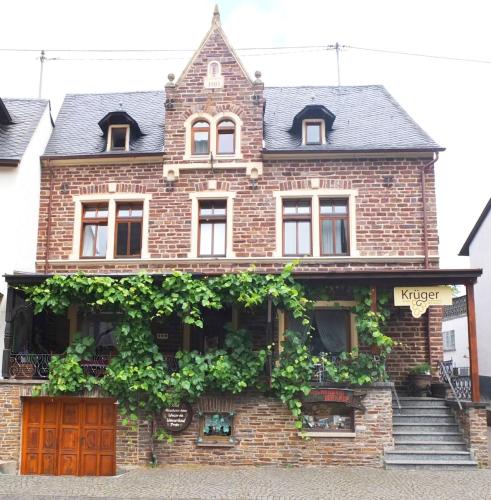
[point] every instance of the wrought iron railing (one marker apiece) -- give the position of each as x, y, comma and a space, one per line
459, 384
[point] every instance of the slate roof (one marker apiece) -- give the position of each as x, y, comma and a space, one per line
77, 131
457, 309
465, 248
367, 118
15, 136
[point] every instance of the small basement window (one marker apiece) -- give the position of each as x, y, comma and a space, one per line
328, 417
118, 139
216, 429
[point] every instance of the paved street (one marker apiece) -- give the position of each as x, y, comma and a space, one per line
261, 483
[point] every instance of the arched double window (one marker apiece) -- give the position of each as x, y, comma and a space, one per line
226, 137
200, 138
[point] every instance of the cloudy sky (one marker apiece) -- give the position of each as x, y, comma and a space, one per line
450, 99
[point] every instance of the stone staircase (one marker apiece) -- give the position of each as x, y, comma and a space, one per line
426, 436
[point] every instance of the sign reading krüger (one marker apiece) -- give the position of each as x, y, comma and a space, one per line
418, 298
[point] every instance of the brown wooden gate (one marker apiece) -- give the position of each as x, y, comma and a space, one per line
69, 436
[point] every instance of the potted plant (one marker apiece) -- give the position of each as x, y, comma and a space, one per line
419, 380
439, 389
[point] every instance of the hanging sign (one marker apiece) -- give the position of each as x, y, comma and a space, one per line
418, 298
177, 418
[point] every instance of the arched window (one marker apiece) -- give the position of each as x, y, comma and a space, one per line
201, 138
214, 69
226, 137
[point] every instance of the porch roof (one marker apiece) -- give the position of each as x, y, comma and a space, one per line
366, 277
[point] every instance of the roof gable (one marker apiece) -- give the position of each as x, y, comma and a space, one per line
465, 248
214, 41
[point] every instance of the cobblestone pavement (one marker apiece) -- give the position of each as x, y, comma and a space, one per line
259, 483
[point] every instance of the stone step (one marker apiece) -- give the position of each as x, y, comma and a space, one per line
424, 418
410, 455
426, 427
406, 401
417, 435
431, 445
423, 410
430, 464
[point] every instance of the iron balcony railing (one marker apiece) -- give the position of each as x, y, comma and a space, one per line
36, 366
460, 384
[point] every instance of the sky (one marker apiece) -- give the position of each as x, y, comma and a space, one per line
449, 99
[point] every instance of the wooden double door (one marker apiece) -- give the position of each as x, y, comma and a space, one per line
69, 436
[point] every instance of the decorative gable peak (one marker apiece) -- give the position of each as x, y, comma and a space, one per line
214, 60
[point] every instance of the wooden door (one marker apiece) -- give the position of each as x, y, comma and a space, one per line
69, 436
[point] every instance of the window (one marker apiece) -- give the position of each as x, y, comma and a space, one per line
328, 417
313, 133
118, 138
216, 429
334, 221
449, 340
297, 227
331, 330
129, 220
212, 228
94, 230
226, 137
201, 138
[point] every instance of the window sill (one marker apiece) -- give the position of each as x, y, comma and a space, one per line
328, 434
216, 444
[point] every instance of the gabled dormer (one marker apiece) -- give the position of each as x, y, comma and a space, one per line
119, 129
313, 124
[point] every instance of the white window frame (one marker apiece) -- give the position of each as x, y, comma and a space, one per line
308, 121
110, 134
213, 120
446, 335
111, 199
315, 195
212, 195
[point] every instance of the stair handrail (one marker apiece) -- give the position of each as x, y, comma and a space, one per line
445, 373
394, 392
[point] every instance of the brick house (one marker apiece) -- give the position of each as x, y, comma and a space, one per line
213, 175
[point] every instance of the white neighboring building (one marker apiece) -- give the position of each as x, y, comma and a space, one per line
455, 337
25, 127
478, 248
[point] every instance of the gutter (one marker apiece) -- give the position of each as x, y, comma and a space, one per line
48, 223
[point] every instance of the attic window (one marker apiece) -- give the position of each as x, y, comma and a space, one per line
119, 138
313, 132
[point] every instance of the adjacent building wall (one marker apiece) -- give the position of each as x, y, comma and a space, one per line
480, 257
19, 209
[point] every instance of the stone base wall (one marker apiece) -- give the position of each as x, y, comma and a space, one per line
265, 435
473, 423
264, 431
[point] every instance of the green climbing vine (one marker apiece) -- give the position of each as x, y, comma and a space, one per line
138, 377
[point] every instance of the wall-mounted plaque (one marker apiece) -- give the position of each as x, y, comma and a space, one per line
349, 397
177, 418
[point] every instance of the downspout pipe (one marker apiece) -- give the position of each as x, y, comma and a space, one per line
48, 221
424, 169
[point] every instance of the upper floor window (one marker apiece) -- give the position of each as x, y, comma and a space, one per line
129, 221
119, 138
297, 227
313, 132
94, 230
449, 340
334, 222
226, 137
201, 137
212, 228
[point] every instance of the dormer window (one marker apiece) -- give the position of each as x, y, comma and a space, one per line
313, 132
226, 137
119, 138
201, 138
